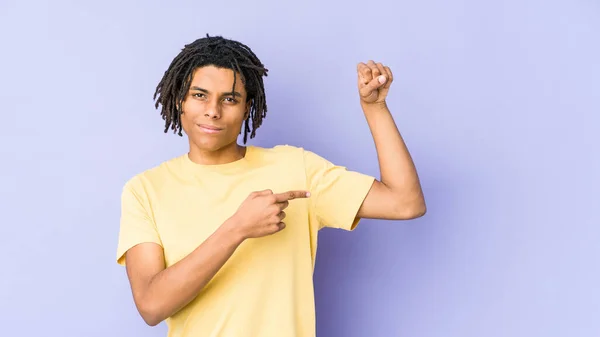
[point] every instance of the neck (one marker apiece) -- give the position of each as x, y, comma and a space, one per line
227, 154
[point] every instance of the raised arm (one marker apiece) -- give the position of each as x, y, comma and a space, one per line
398, 195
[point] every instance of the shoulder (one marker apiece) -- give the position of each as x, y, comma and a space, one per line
294, 159
290, 152
278, 150
291, 158
276, 155
152, 177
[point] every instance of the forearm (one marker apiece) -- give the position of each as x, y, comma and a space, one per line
397, 169
176, 286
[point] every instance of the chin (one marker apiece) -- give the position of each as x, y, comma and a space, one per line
211, 145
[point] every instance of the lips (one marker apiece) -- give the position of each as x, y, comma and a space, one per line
209, 128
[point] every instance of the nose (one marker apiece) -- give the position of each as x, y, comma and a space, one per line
213, 111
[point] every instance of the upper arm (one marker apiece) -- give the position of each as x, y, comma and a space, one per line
143, 262
336, 193
382, 203
136, 224
342, 197
139, 247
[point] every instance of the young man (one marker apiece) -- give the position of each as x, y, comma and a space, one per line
221, 241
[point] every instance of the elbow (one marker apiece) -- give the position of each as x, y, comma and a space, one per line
150, 318
151, 321
410, 210
418, 211
151, 313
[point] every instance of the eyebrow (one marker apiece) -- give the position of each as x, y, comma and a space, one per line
234, 93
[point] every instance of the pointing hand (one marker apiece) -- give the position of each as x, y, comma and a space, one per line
262, 214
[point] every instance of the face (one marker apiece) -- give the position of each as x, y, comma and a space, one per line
213, 115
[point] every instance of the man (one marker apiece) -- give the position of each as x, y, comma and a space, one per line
221, 241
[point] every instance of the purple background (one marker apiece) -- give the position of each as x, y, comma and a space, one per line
498, 102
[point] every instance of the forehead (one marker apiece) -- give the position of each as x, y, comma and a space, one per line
216, 80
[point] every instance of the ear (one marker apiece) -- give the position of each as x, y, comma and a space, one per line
179, 106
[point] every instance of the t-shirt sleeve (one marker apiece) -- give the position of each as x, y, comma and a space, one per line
136, 223
336, 192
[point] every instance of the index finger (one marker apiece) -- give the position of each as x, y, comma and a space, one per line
290, 195
364, 73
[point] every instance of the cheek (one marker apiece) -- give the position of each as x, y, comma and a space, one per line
185, 122
191, 107
237, 119
191, 112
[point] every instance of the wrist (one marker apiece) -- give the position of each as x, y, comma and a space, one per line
375, 107
231, 228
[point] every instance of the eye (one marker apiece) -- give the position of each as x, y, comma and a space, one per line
230, 100
198, 95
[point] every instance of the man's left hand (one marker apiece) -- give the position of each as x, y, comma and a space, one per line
374, 81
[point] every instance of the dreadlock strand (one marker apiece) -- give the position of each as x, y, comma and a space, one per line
220, 52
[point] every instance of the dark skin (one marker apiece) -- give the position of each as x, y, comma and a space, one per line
212, 118
160, 292
397, 196
210, 102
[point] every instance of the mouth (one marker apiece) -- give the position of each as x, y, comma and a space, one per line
209, 128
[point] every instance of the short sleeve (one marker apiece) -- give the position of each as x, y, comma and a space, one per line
136, 224
336, 192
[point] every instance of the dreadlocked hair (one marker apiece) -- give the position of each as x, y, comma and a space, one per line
221, 53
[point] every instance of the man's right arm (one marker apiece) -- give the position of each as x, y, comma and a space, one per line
160, 292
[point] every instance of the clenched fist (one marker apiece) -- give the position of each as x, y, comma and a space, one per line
374, 81
262, 214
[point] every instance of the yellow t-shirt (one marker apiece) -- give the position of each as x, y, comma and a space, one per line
266, 288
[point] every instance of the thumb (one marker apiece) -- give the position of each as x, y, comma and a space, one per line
375, 84
264, 192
